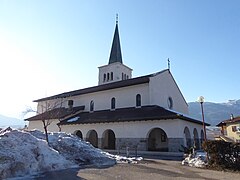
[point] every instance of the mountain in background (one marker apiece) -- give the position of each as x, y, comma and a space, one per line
214, 113
12, 122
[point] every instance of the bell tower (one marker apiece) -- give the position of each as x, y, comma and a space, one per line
115, 70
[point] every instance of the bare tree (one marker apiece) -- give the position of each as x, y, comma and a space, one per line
47, 114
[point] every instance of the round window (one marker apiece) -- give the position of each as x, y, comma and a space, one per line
170, 102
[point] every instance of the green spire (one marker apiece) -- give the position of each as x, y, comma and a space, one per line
115, 55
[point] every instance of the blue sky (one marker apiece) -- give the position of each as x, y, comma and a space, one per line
49, 47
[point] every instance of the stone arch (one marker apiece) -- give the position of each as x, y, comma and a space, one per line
78, 133
187, 137
195, 138
108, 139
157, 140
92, 137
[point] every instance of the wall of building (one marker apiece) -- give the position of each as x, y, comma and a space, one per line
125, 97
235, 135
39, 125
163, 86
135, 134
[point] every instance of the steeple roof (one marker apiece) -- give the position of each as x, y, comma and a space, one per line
115, 55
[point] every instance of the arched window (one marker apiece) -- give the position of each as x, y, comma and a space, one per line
138, 100
111, 76
113, 103
108, 77
104, 77
91, 106
122, 76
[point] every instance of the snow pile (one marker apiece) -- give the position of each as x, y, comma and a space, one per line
123, 159
198, 159
22, 154
27, 153
76, 150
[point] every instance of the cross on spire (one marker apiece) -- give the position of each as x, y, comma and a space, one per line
168, 64
117, 18
115, 54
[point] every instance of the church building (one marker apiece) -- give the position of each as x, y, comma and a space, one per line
148, 113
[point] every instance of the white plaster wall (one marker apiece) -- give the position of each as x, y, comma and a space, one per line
125, 97
137, 129
191, 127
163, 86
39, 125
51, 104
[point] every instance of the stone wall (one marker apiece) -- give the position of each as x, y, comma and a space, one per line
132, 143
141, 144
174, 144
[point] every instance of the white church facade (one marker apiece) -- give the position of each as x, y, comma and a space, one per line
148, 113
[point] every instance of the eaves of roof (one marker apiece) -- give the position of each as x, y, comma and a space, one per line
144, 113
57, 113
229, 121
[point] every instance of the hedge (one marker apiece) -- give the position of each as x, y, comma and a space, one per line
223, 155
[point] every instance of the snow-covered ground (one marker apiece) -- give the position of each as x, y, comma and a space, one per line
27, 153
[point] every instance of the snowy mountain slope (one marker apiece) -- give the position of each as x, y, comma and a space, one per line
9, 121
215, 112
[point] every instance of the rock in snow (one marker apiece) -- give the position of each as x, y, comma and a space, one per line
26, 153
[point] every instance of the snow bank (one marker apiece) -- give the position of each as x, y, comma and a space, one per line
27, 153
22, 154
197, 159
76, 150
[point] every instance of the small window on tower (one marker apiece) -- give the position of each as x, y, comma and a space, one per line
111, 76
91, 106
113, 103
104, 77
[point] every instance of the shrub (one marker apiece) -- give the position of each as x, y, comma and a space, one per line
223, 155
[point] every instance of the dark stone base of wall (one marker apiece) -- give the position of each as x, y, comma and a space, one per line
141, 144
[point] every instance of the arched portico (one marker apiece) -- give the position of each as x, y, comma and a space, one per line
78, 133
187, 137
108, 139
196, 138
157, 140
92, 137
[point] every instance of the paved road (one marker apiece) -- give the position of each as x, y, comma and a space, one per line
147, 169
